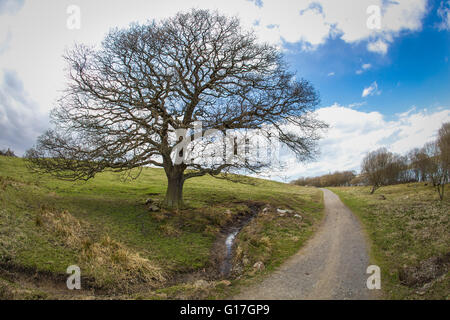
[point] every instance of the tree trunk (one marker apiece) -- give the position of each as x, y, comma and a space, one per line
441, 191
174, 193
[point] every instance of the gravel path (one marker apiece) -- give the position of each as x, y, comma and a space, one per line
332, 265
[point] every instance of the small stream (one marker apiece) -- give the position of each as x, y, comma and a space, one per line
227, 263
229, 242
230, 237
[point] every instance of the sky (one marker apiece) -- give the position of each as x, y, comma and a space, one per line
381, 66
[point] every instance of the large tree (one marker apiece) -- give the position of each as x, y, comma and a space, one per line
125, 100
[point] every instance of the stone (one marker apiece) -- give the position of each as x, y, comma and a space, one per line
201, 284
153, 208
225, 283
266, 209
259, 266
298, 216
149, 201
284, 211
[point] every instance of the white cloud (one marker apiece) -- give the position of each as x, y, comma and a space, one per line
364, 67
371, 90
444, 13
353, 133
331, 74
379, 46
10, 6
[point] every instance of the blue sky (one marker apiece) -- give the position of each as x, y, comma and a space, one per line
414, 72
379, 87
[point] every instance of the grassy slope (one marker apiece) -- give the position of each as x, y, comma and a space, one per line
407, 227
107, 205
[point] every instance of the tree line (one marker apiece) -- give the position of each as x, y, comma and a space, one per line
430, 164
336, 179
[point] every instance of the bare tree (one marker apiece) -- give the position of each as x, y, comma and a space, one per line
442, 159
381, 168
419, 163
125, 100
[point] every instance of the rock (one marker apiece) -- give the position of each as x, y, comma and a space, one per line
259, 266
284, 211
153, 208
298, 216
201, 284
266, 210
149, 201
225, 283
281, 214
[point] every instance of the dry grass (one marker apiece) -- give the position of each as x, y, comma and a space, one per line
407, 225
112, 264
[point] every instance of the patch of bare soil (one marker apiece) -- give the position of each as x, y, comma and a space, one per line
425, 272
19, 282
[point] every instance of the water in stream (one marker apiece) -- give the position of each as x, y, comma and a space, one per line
229, 241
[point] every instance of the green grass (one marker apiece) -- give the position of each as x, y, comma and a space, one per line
406, 224
177, 242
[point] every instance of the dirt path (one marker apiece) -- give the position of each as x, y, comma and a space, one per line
332, 265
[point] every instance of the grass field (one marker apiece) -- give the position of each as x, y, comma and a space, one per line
125, 251
408, 228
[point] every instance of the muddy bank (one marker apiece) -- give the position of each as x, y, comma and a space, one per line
221, 257
224, 247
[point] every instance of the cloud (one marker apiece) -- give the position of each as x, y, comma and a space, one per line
311, 22
371, 90
20, 119
315, 21
353, 133
444, 13
10, 6
379, 46
331, 74
364, 67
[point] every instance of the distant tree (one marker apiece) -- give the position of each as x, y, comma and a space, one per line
335, 179
382, 168
125, 101
442, 155
7, 153
419, 163
435, 170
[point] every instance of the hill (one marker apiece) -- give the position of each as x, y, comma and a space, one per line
125, 250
